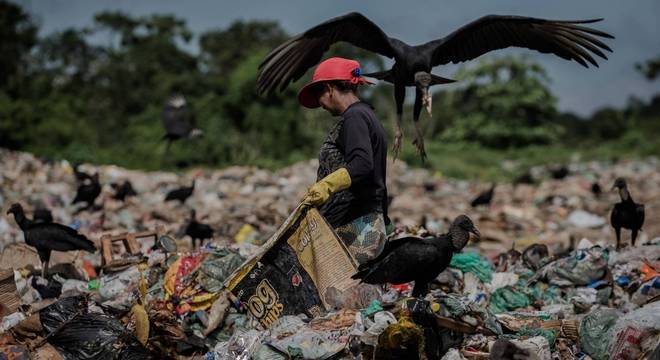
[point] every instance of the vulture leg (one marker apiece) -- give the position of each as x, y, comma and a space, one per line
399, 96
633, 237
420, 289
419, 137
44, 256
44, 269
617, 230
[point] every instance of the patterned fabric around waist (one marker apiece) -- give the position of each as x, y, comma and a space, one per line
364, 236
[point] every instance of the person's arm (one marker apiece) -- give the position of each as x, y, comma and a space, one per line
356, 141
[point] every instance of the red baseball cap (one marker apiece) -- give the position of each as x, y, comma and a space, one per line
335, 68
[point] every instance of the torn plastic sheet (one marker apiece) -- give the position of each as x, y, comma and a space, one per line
80, 334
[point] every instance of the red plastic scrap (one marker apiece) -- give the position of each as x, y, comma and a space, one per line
187, 265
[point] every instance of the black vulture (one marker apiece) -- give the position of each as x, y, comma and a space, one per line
88, 192
123, 191
197, 230
81, 176
595, 189
178, 120
484, 198
524, 178
42, 215
559, 172
181, 194
626, 214
288, 62
419, 260
46, 237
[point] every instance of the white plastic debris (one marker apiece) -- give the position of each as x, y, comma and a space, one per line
585, 220
10, 321
537, 346
502, 279
453, 354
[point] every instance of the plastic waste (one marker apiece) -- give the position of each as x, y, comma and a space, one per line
114, 287
535, 256
368, 330
321, 339
47, 289
453, 354
241, 346
502, 279
373, 308
217, 313
635, 333
141, 319
80, 334
549, 335
355, 297
506, 299
596, 330
584, 219
216, 267
473, 263
265, 352
646, 291
10, 321
403, 340
537, 347
581, 268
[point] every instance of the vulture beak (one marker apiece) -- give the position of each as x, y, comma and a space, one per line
477, 234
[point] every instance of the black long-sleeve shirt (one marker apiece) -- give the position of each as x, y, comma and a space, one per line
364, 146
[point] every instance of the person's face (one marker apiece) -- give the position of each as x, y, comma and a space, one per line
327, 98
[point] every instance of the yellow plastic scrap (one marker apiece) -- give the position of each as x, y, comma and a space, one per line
243, 234
25, 273
139, 315
202, 302
404, 334
435, 307
143, 282
170, 277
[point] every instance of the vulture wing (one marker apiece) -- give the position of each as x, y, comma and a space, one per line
567, 39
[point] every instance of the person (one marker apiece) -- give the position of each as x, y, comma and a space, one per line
350, 191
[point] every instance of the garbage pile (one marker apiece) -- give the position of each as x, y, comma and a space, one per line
525, 291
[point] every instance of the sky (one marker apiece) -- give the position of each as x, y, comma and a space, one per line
635, 25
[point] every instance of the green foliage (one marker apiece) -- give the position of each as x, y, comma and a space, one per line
650, 68
18, 35
506, 103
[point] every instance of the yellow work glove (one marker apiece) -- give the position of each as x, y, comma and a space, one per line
321, 191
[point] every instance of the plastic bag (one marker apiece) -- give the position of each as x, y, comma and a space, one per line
506, 299
368, 330
595, 331
79, 334
502, 279
216, 268
472, 263
537, 346
580, 269
549, 335
636, 333
241, 346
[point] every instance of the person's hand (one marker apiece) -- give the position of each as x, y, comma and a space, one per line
320, 192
